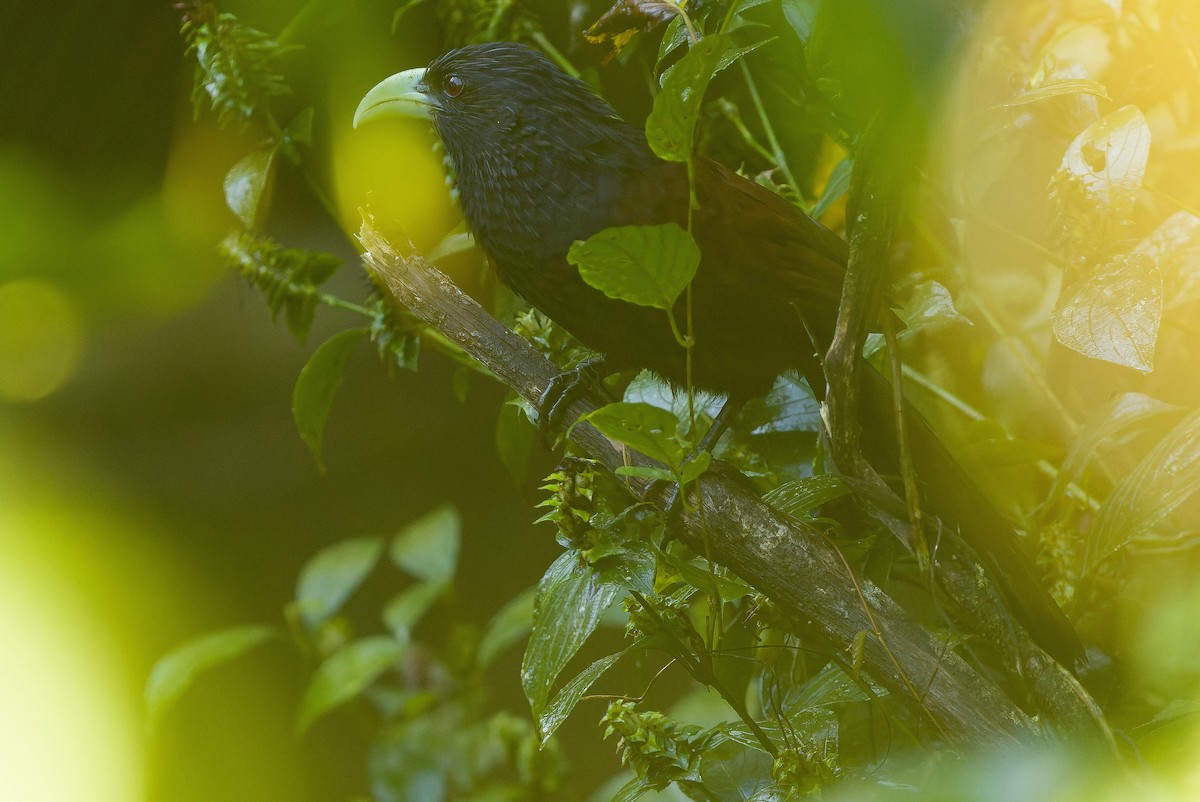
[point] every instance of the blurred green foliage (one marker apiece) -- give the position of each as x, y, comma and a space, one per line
152, 485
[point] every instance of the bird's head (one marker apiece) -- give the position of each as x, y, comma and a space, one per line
537, 154
481, 96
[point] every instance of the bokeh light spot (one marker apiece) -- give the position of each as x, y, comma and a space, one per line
40, 339
68, 734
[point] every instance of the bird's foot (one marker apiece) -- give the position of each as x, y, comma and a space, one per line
563, 390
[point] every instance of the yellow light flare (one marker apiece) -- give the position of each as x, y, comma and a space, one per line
70, 730
391, 167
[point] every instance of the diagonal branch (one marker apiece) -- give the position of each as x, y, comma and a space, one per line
785, 559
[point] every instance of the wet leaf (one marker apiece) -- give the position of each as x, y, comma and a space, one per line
564, 701
929, 305
1175, 247
1115, 314
570, 602
1100, 177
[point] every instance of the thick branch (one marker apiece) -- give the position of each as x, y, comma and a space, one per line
791, 563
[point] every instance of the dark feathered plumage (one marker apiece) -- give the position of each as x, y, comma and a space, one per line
541, 161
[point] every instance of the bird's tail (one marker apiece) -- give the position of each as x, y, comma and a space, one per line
958, 501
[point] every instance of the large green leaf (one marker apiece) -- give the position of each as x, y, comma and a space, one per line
644, 265
316, 386
345, 674
671, 126
642, 427
175, 672
564, 701
329, 578
570, 602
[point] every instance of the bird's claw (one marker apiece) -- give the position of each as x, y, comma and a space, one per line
563, 390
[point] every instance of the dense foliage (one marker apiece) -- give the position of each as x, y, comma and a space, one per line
1043, 268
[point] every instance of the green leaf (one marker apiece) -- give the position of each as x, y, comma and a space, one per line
1125, 414
695, 467
1164, 479
514, 440
699, 577
565, 700
408, 607
461, 384
642, 427
671, 126
316, 386
247, 185
1114, 315
836, 186
512, 623
802, 496
800, 15
730, 771
633, 790
570, 602
644, 265
929, 305
300, 129
178, 669
452, 245
829, 687
345, 674
428, 547
332, 576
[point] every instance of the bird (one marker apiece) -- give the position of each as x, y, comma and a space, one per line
541, 161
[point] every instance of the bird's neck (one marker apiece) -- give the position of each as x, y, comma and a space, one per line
526, 199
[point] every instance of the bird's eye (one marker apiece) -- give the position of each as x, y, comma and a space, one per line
452, 85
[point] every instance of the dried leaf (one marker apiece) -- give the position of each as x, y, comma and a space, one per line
617, 26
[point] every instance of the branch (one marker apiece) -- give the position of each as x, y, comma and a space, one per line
790, 562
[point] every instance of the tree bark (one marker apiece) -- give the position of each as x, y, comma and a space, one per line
790, 562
